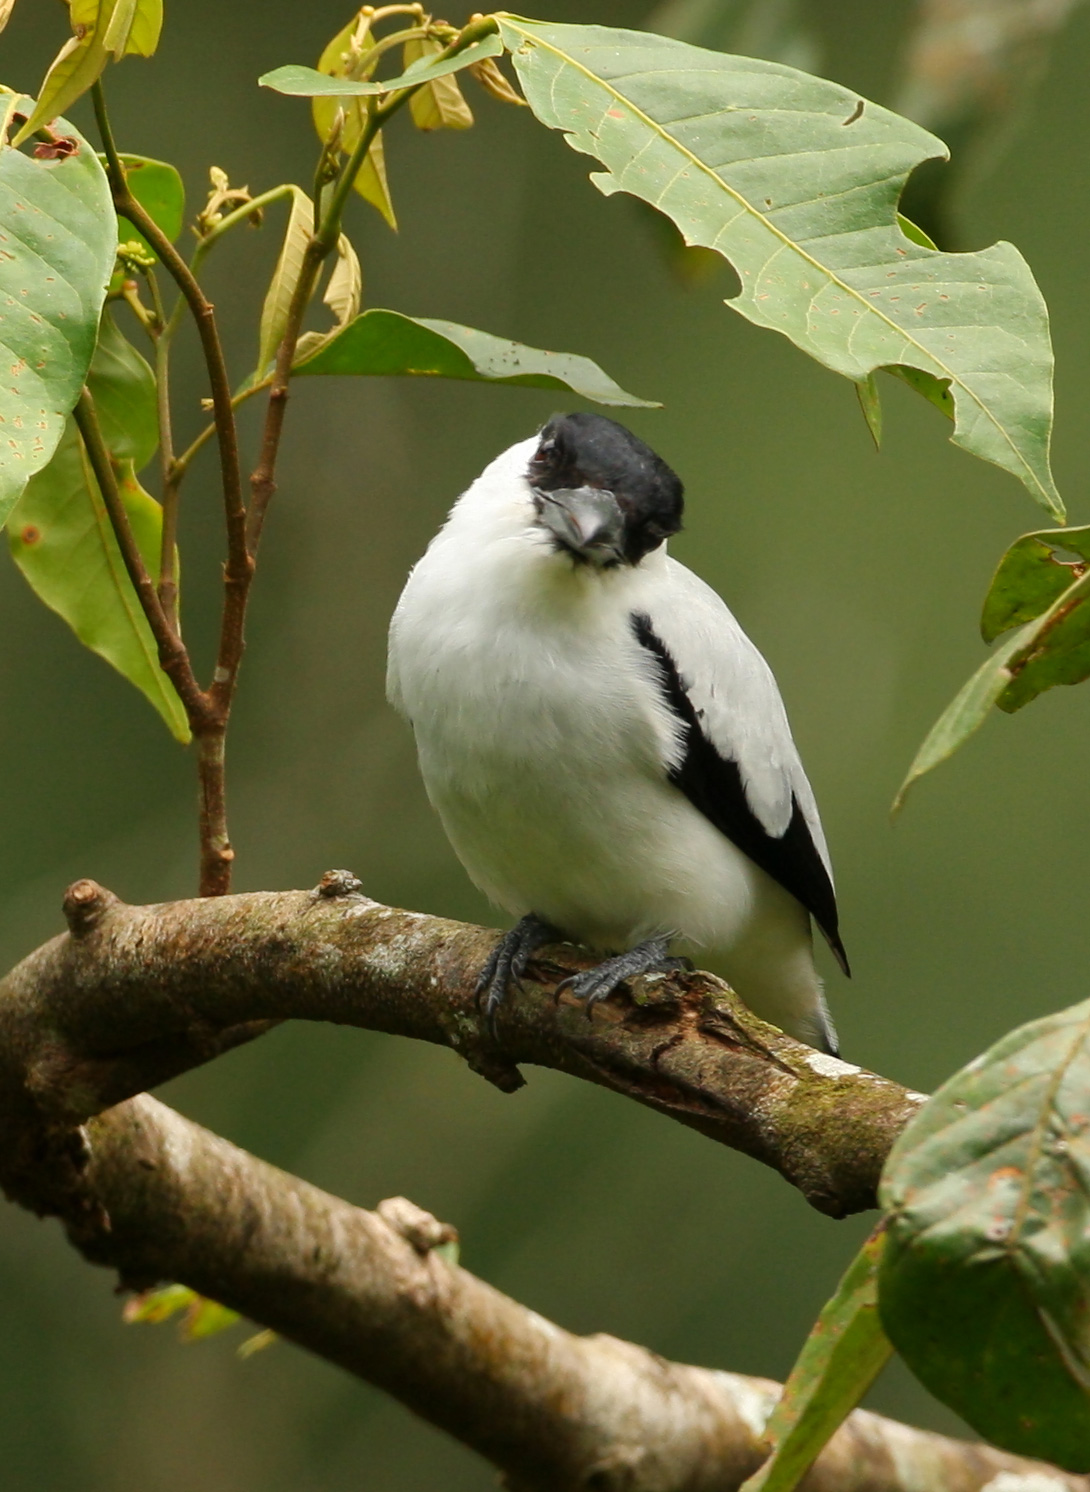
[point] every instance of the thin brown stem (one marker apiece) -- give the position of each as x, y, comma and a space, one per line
209, 723
173, 657
217, 855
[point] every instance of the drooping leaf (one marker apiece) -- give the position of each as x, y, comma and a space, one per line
123, 387
795, 180
439, 105
57, 244
103, 29
964, 714
346, 53
984, 1287
60, 537
387, 343
840, 1359
133, 27
308, 82
274, 313
1031, 576
6, 8
158, 188
342, 296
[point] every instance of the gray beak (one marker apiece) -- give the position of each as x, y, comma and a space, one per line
586, 520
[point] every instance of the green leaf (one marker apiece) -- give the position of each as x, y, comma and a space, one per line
344, 54
985, 1284
274, 313
840, 1359
57, 244
1052, 649
77, 66
387, 343
795, 180
123, 387
1031, 576
158, 188
965, 714
201, 1317
870, 402
61, 539
308, 82
134, 27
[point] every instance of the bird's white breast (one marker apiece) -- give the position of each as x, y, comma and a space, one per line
543, 738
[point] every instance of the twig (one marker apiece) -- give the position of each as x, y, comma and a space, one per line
173, 657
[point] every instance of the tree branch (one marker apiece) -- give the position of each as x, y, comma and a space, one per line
155, 1196
134, 995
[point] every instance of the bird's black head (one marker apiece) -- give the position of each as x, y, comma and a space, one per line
603, 495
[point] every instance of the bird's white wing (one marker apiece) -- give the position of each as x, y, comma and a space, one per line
736, 760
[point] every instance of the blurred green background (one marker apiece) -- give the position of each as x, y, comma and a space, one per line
860, 577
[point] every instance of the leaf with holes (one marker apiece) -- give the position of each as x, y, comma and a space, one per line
795, 180
984, 1286
386, 343
839, 1361
1031, 576
61, 539
58, 235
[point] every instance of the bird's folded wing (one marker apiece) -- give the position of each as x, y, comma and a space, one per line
736, 761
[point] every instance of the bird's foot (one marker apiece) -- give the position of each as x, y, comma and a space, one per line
652, 957
508, 960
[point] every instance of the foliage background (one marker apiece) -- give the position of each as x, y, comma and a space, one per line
860, 578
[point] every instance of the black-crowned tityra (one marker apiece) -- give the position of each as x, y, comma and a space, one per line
607, 750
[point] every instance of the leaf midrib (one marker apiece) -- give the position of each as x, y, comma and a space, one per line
787, 242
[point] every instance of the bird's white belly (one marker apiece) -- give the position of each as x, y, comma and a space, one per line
563, 809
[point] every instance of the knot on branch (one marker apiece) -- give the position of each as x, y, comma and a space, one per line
85, 904
415, 1225
338, 883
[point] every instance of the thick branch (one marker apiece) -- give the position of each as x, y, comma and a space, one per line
553, 1411
134, 995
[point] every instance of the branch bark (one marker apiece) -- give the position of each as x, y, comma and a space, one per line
134, 995
163, 1198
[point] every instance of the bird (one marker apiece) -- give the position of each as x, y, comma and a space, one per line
607, 750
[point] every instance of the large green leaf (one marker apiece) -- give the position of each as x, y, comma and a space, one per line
123, 387
385, 342
795, 180
57, 240
984, 1288
61, 539
840, 1359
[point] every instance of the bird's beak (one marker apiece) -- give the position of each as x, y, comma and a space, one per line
586, 520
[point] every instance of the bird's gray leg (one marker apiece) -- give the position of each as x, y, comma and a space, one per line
509, 958
652, 957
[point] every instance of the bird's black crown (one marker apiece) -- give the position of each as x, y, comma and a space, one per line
588, 450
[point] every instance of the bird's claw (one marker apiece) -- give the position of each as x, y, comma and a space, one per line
594, 985
508, 962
